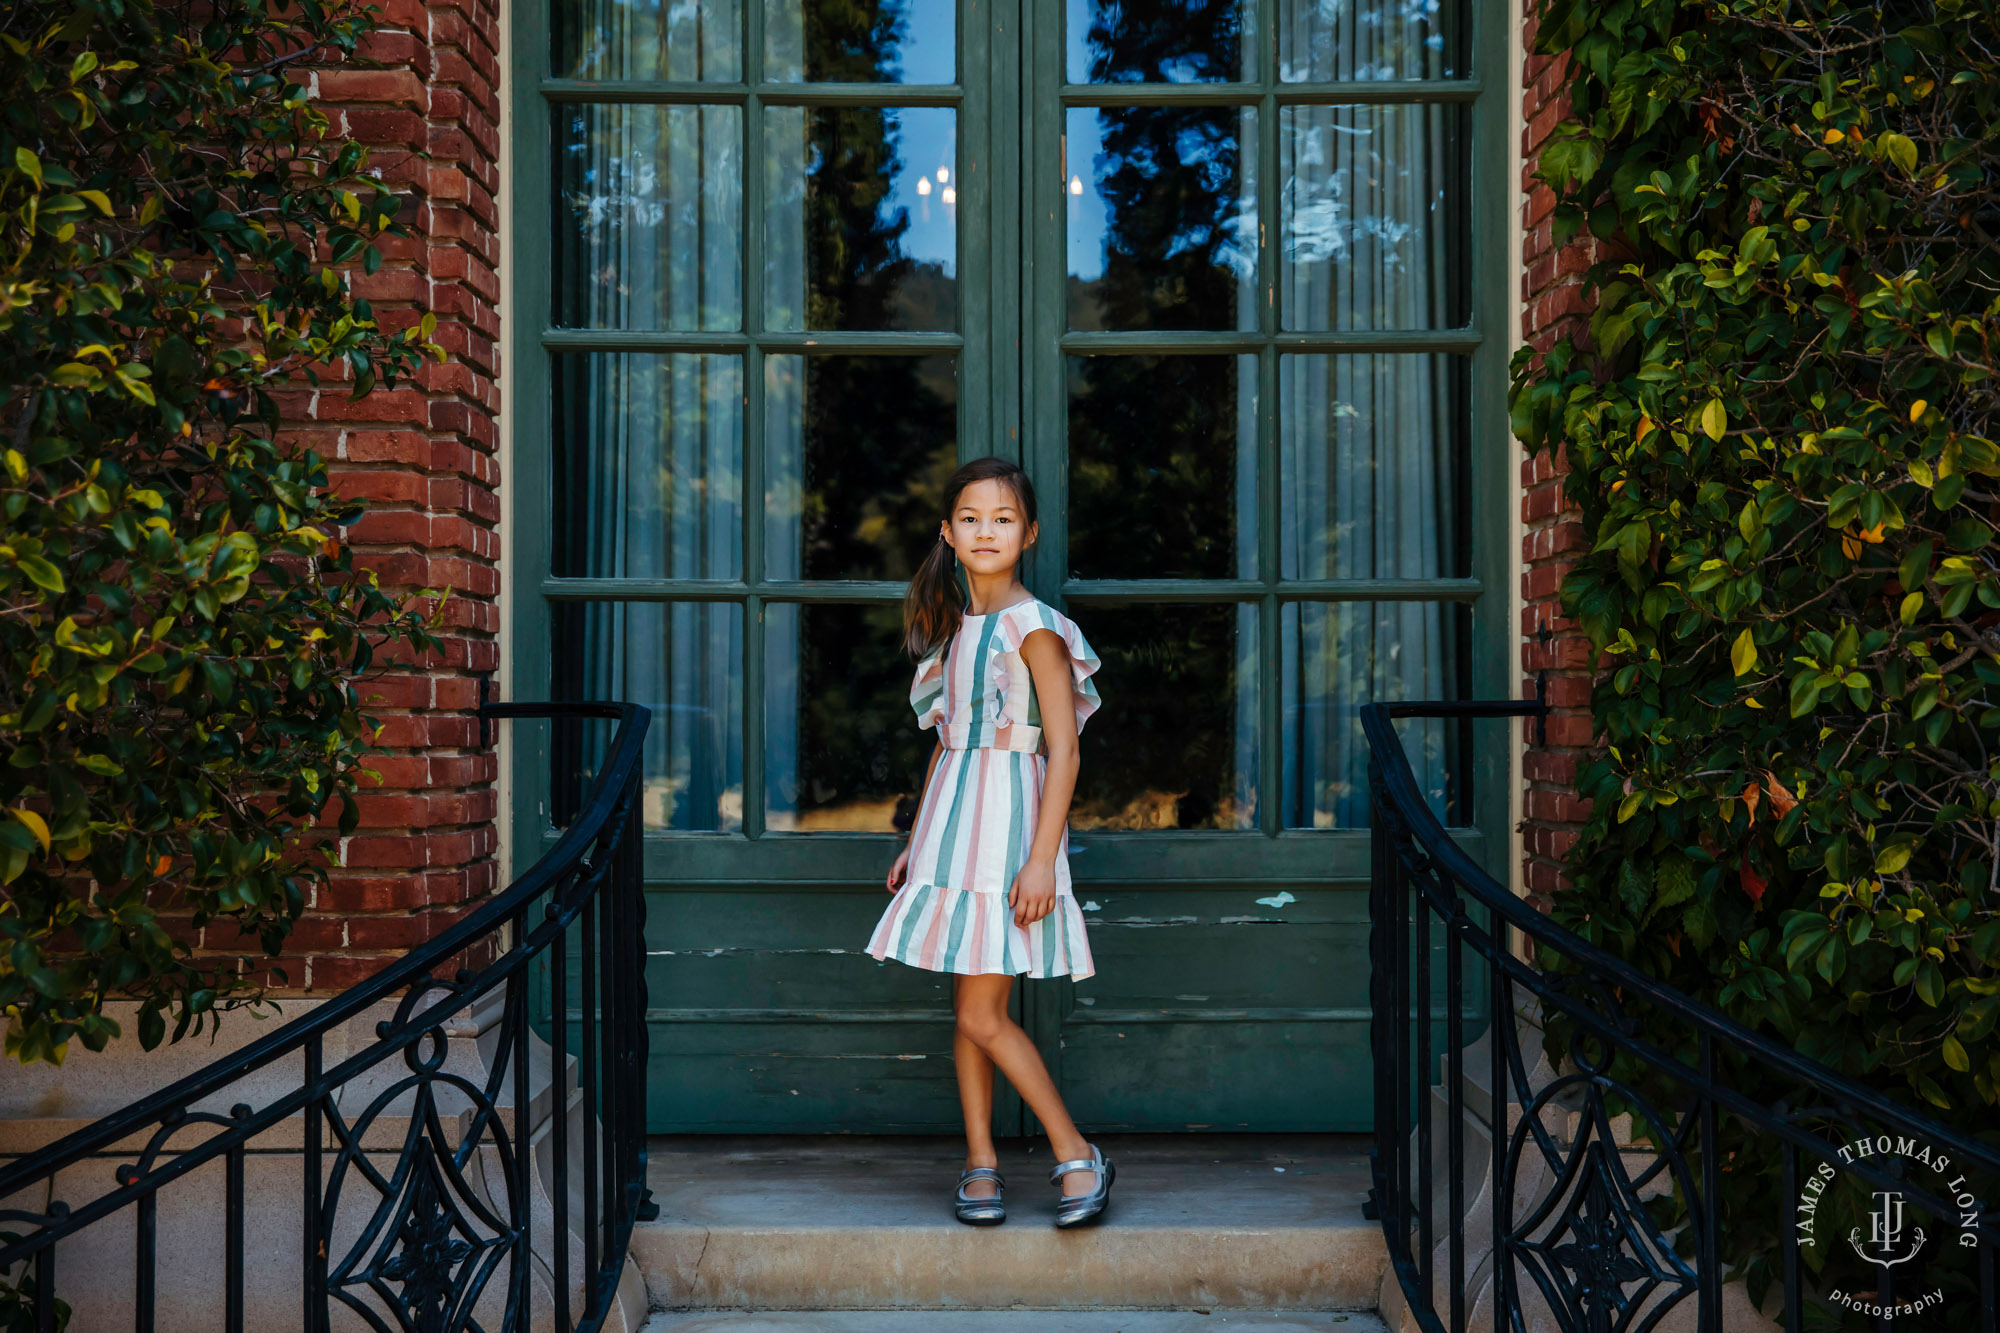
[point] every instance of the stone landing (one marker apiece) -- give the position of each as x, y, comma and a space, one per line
1215, 1228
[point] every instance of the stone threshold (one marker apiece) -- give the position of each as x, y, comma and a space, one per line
797, 1224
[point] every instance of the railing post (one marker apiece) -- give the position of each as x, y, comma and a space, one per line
313, 1273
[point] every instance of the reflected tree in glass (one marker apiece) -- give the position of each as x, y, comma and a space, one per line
1162, 217
859, 448
841, 740
860, 41
861, 218
1162, 467
1160, 41
1177, 747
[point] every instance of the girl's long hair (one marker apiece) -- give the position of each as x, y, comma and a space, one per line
932, 607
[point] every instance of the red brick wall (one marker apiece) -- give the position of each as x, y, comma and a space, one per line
424, 455
1552, 308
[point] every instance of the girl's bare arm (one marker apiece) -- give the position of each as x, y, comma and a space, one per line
1048, 663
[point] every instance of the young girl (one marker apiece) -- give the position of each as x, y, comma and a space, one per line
983, 888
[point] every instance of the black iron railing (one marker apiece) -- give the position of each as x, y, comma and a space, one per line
1587, 1193
453, 1169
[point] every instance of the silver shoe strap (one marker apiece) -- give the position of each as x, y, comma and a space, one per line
1061, 1169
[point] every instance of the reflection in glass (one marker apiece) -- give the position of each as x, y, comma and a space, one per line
1322, 41
648, 224
1338, 656
1161, 41
684, 661
861, 220
1182, 750
857, 450
1162, 467
840, 741
648, 480
1371, 450
647, 39
1162, 217
860, 41
1371, 202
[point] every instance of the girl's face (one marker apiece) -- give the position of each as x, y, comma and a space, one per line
987, 530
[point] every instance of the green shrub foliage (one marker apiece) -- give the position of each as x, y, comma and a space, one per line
180, 626
1781, 428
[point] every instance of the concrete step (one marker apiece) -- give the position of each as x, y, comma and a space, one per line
1013, 1321
1221, 1223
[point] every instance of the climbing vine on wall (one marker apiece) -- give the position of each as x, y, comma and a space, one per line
1782, 427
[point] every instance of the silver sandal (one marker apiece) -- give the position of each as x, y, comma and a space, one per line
980, 1212
1073, 1209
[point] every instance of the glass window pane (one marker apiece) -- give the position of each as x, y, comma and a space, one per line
1372, 204
1371, 458
1341, 655
875, 41
861, 221
1322, 41
647, 39
857, 450
648, 224
684, 661
648, 478
1162, 467
1161, 41
1176, 746
1162, 216
841, 743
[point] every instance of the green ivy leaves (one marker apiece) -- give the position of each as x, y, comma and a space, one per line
1781, 435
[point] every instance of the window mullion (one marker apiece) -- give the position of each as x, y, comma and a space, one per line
1270, 668
753, 423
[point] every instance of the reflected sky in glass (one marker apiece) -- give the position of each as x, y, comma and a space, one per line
890, 41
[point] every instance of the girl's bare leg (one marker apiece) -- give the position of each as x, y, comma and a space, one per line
980, 1003
975, 1097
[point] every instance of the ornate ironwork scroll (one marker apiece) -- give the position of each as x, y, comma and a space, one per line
1598, 1172
478, 1165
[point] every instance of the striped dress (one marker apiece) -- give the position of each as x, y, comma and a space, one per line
976, 822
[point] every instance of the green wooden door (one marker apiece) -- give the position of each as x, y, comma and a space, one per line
1223, 278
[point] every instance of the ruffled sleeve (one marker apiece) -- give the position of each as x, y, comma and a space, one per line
927, 689
1017, 622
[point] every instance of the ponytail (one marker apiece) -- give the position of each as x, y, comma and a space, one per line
932, 606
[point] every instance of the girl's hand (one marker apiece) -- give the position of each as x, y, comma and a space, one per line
899, 870
1033, 895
